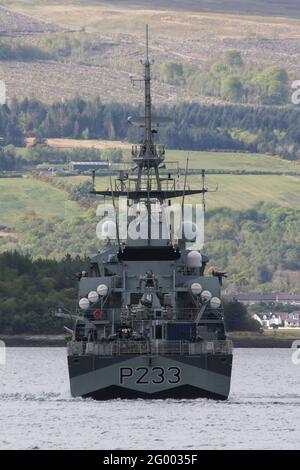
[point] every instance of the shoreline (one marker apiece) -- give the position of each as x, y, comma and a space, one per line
21, 341
239, 341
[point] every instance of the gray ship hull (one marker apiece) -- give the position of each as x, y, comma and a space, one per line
150, 377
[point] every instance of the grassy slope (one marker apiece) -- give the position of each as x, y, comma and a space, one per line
197, 159
89, 143
231, 161
237, 192
242, 192
21, 195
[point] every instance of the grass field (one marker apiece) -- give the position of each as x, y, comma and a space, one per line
231, 161
75, 144
236, 192
21, 195
197, 159
243, 192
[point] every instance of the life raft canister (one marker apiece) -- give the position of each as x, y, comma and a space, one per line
97, 314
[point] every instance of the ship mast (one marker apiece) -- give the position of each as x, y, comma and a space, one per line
148, 157
148, 141
148, 185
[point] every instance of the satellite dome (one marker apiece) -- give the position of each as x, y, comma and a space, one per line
194, 259
93, 296
84, 303
215, 302
102, 290
196, 288
206, 295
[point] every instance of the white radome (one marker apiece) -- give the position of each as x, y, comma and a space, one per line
93, 296
84, 303
102, 290
196, 288
215, 302
206, 295
194, 259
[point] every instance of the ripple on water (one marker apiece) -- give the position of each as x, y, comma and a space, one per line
38, 412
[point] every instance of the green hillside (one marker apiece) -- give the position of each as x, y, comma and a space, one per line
234, 191
250, 217
18, 196
231, 161
243, 192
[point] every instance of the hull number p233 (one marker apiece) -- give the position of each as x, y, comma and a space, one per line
150, 375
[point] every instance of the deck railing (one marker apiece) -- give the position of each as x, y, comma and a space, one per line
120, 348
180, 314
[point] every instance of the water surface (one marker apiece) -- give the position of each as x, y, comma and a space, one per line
37, 411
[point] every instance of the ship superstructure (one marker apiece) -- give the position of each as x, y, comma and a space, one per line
150, 321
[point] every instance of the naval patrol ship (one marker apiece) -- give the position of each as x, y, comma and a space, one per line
150, 321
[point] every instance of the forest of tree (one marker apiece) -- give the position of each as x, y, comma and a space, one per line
58, 46
18, 51
12, 160
231, 80
31, 290
9, 161
271, 129
258, 247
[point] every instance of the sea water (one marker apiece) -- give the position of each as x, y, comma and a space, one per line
38, 412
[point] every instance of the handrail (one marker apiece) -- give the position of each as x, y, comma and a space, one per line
180, 314
127, 347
